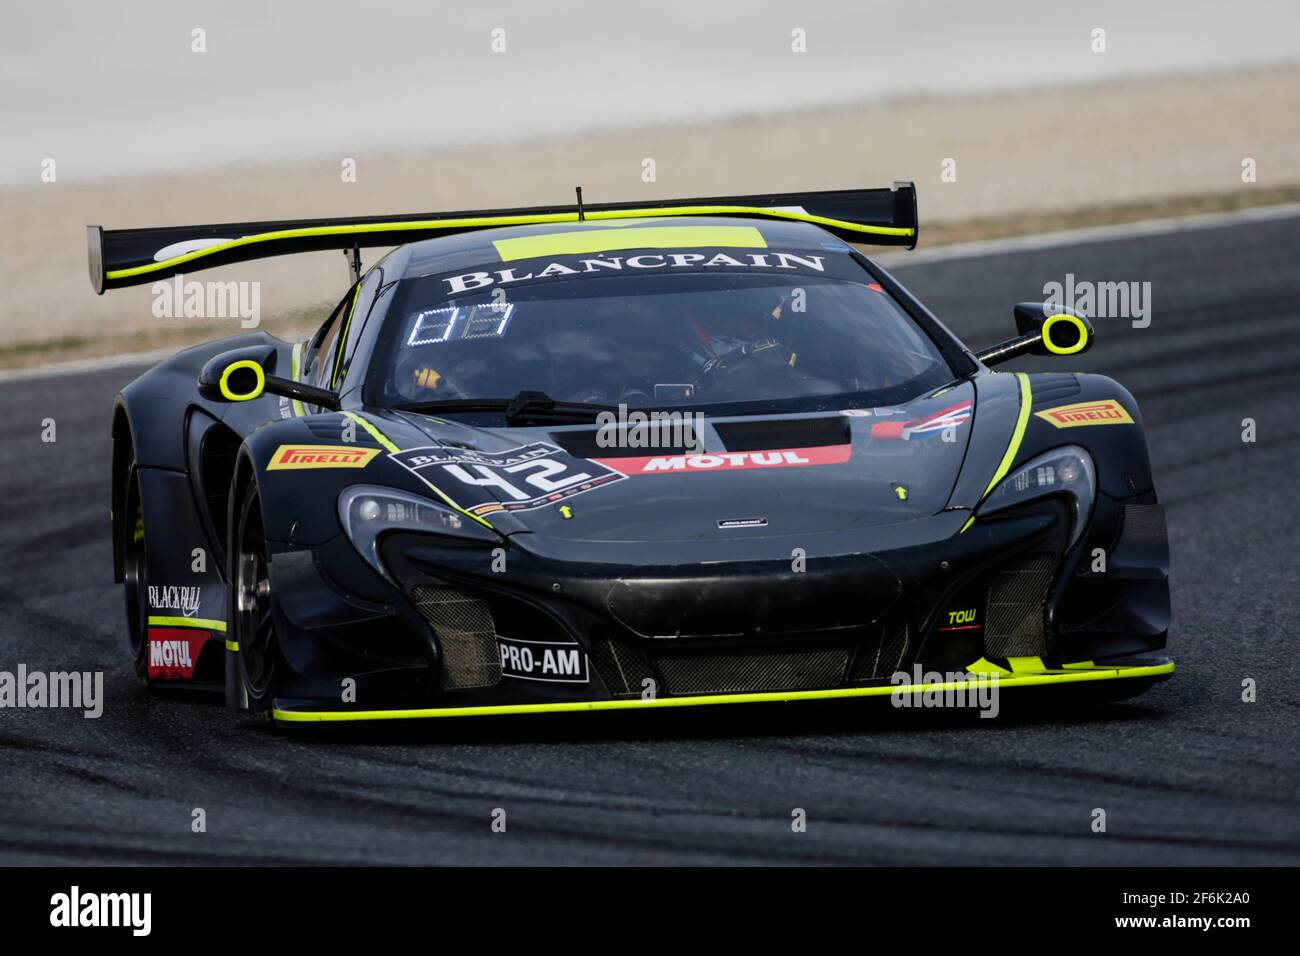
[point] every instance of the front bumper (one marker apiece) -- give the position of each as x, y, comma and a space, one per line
651, 634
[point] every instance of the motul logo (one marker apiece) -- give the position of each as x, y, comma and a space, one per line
170, 654
320, 456
727, 461
1087, 413
173, 651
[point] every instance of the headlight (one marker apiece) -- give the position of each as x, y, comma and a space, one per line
368, 511
1067, 471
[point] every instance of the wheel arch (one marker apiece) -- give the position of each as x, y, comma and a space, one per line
242, 476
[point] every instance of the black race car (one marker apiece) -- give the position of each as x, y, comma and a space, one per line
619, 457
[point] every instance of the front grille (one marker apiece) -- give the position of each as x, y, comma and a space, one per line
756, 671
882, 657
1013, 623
466, 634
623, 670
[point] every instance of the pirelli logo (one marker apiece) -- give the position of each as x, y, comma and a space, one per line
320, 456
1087, 413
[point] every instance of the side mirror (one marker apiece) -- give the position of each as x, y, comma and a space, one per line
240, 375
1043, 330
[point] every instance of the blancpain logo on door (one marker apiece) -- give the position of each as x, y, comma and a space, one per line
171, 597
74, 908
676, 260
540, 660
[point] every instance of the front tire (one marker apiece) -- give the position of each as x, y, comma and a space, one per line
135, 574
252, 624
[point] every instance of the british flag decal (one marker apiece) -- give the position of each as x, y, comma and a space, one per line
926, 427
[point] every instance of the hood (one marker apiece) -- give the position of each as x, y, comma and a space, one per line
758, 476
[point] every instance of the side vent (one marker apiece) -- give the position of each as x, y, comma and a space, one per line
327, 428
622, 669
466, 635
1145, 539
878, 659
219, 449
1013, 623
1053, 388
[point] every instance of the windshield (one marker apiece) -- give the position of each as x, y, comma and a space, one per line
727, 341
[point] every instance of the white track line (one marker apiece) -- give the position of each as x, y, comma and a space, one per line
86, 365
965, 250
1074, 237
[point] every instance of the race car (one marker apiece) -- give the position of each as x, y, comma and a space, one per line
623, 456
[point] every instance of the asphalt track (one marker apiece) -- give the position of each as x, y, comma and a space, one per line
1187, 774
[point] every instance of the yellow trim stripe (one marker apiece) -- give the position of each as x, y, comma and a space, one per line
575, 706
985, 666
1027, 665
294, 372
452, 505
255, 392
488, 221
207, 624
341, 342
375, 433
380, 437
643, 237
1017, 436
232, 645
1013, 448
1078, 346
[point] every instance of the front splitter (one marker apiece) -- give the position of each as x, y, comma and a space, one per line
1024, 672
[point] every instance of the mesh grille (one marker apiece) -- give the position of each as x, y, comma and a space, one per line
466, 633
622, 669
881, 658
891, 651
734, 673
1013, 624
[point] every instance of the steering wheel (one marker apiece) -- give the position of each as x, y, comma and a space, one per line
760, 350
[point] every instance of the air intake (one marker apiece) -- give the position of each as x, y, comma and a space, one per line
883, 656
754, 672
330, 429
466, 635
761, 434
1013, 623
623, 669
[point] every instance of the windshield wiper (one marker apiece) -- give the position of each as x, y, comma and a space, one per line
528, 405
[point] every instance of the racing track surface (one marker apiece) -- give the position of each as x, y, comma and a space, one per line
1188, 774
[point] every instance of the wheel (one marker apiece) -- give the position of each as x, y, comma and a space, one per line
135, 577
252, 627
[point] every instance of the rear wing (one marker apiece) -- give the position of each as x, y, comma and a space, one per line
126, 257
